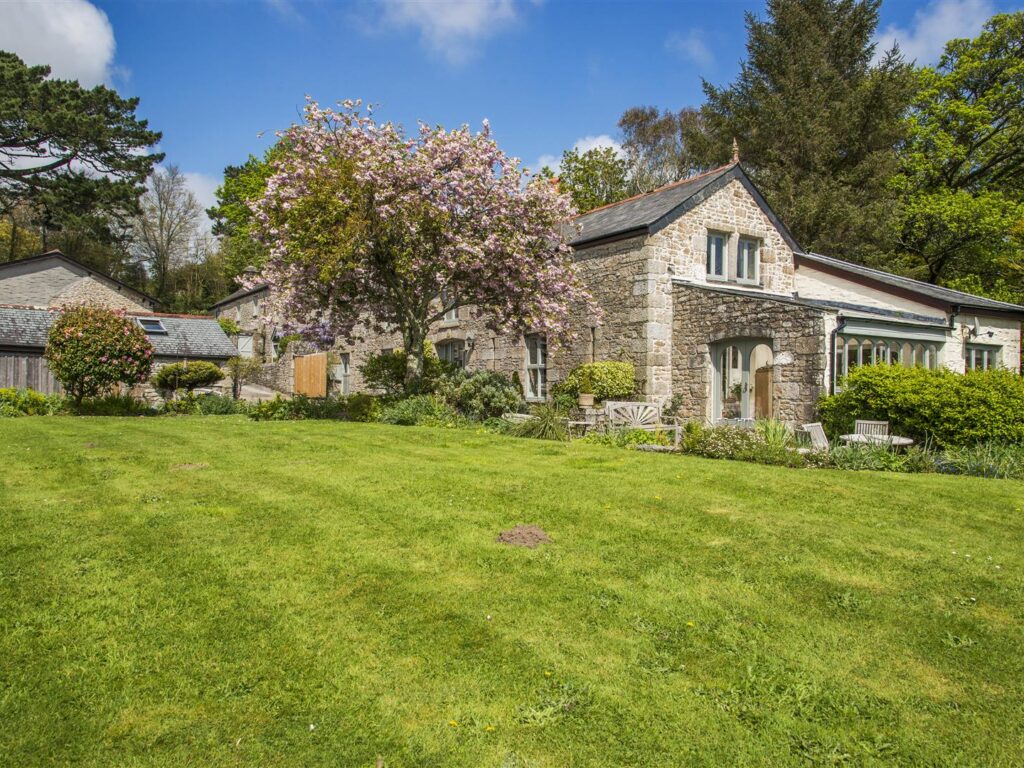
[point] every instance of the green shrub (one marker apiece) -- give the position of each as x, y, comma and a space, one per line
351, 408
548, 423
950, 409
774, 434
984, 460
423, 410
240, 370
219, 405
481, 395
113, 405
363, 407
28, 402
92, 349
285, 341
229, 326
605, 381
187, 375
385, 371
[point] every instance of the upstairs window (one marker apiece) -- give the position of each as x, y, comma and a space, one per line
717, 244
536, 367
452, 315
747, 261
151, 325
979, 357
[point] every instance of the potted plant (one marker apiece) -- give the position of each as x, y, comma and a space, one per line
585, 394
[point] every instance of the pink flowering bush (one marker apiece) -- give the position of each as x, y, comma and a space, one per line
366, 225
91, 349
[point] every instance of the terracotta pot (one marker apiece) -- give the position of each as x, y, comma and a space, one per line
586, 401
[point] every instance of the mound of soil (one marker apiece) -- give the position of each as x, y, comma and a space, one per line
529, 536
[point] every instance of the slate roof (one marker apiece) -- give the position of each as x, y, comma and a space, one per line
927, 290
239, 294
647, 213
186, 337
55, 253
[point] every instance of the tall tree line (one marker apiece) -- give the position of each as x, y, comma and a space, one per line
865, 156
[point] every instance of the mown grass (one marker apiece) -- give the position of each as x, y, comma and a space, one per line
213, 591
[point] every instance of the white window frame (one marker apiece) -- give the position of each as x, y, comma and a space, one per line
985, 354
743, 260
854, 350
712, 237
536, 366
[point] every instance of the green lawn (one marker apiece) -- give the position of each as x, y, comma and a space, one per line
213, 591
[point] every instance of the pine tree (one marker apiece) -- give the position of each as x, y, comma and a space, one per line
817, 119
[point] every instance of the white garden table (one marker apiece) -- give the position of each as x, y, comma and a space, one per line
894, 440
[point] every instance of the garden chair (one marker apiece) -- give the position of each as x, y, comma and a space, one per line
819, 440
872, 428
621, 414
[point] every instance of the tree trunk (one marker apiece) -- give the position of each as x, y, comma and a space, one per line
413, 338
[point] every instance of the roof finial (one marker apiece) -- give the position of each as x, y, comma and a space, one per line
735, 151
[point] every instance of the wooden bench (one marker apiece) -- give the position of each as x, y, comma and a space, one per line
620, 414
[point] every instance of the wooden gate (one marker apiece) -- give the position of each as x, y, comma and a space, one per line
311, 375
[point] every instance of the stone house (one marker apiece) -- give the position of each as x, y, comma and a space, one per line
723, 314
32, 291
245, 307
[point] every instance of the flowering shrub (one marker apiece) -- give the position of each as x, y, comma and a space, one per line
91, 349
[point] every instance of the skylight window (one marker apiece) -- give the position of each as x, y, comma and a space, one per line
151, 325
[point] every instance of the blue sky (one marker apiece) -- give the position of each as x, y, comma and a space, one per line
548, 74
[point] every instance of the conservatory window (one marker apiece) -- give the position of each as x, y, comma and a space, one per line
852, 351
980, 357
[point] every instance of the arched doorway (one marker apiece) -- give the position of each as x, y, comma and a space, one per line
742, 380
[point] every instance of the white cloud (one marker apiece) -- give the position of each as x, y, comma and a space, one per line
932, 26
691, 46
286, 9
73, 36
205, 190
582, 145
453, 28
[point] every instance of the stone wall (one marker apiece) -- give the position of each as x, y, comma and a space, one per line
53, 282
798, 336
246, 311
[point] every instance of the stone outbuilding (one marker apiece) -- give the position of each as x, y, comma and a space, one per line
33, 290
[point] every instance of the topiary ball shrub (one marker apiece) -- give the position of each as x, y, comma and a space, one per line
92, 349
187, 375
605, 381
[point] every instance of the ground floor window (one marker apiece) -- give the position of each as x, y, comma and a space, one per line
536, 367
981, 357
453, 352
852, 351
742, 376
